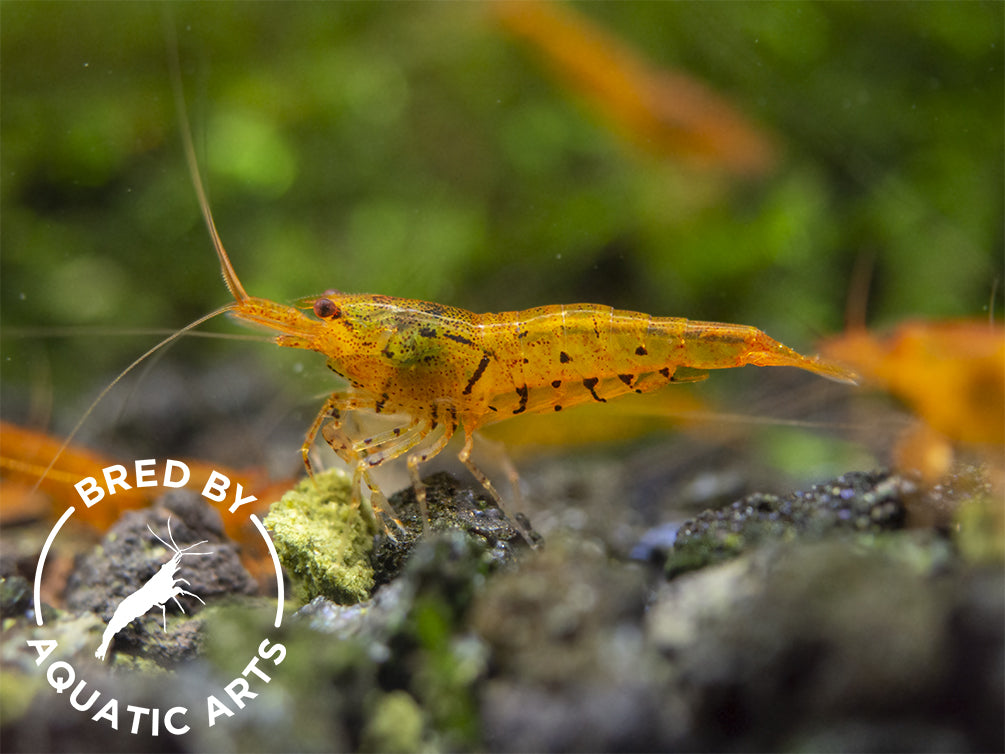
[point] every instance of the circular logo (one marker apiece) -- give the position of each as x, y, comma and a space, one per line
173, 583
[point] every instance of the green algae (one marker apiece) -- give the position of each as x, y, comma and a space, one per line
323, 540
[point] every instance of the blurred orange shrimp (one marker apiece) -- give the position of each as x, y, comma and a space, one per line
664, 112
951, 375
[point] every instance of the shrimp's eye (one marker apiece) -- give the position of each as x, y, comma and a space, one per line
325, 308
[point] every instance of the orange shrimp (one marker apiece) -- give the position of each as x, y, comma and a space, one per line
446, 368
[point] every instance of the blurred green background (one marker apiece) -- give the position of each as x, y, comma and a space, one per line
414, 149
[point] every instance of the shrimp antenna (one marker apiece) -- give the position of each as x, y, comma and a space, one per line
229, 274
94, 404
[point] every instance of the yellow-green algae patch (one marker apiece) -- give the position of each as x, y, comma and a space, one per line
323, 540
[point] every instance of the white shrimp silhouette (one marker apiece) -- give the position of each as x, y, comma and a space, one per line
161, 587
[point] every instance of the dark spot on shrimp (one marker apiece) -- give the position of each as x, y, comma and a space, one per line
556, 384
558, 407
665, 371
564, 357
379, 405
641, 351
523, 392
626, 378
479, 370
590, 384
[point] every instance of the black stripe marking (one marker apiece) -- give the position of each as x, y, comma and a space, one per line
427, 332
459, 338
477, 375
523, 392
379, 405
590, 384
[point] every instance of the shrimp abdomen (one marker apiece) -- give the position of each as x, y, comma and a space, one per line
553, 357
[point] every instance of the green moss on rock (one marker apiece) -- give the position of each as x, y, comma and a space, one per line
323, 540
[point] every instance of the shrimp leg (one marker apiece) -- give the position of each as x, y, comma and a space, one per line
477, 473
392, 445
383, 447
413, 468
329, 423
